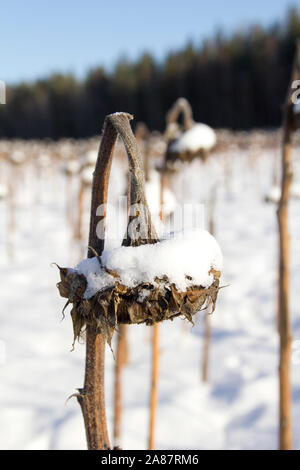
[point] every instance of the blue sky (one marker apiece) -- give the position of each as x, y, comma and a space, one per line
39, 37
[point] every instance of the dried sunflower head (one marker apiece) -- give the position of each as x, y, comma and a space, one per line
147, 303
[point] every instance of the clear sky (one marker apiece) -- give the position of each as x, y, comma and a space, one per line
38, 37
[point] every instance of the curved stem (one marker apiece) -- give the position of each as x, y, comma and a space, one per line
142, 133
118, 124
181, 106
92, 397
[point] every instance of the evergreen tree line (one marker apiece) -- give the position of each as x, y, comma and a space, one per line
237, 81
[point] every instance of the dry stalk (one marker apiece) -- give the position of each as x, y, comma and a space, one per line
92, 398
143, 135
180, 106
207, 325
206, 347
154, 385
119, 363
285, 431
155, 346
124, 344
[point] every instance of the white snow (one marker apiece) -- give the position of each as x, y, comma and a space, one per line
72, 167
295, 189
96, 277
190, 253
44, 160
200, 136
296, 108
87, 174
17, 156
3, 191
274, 193
89, 158
153, 196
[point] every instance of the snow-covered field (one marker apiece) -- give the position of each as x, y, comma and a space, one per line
237, 409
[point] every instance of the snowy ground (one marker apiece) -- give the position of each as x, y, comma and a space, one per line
238, 409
